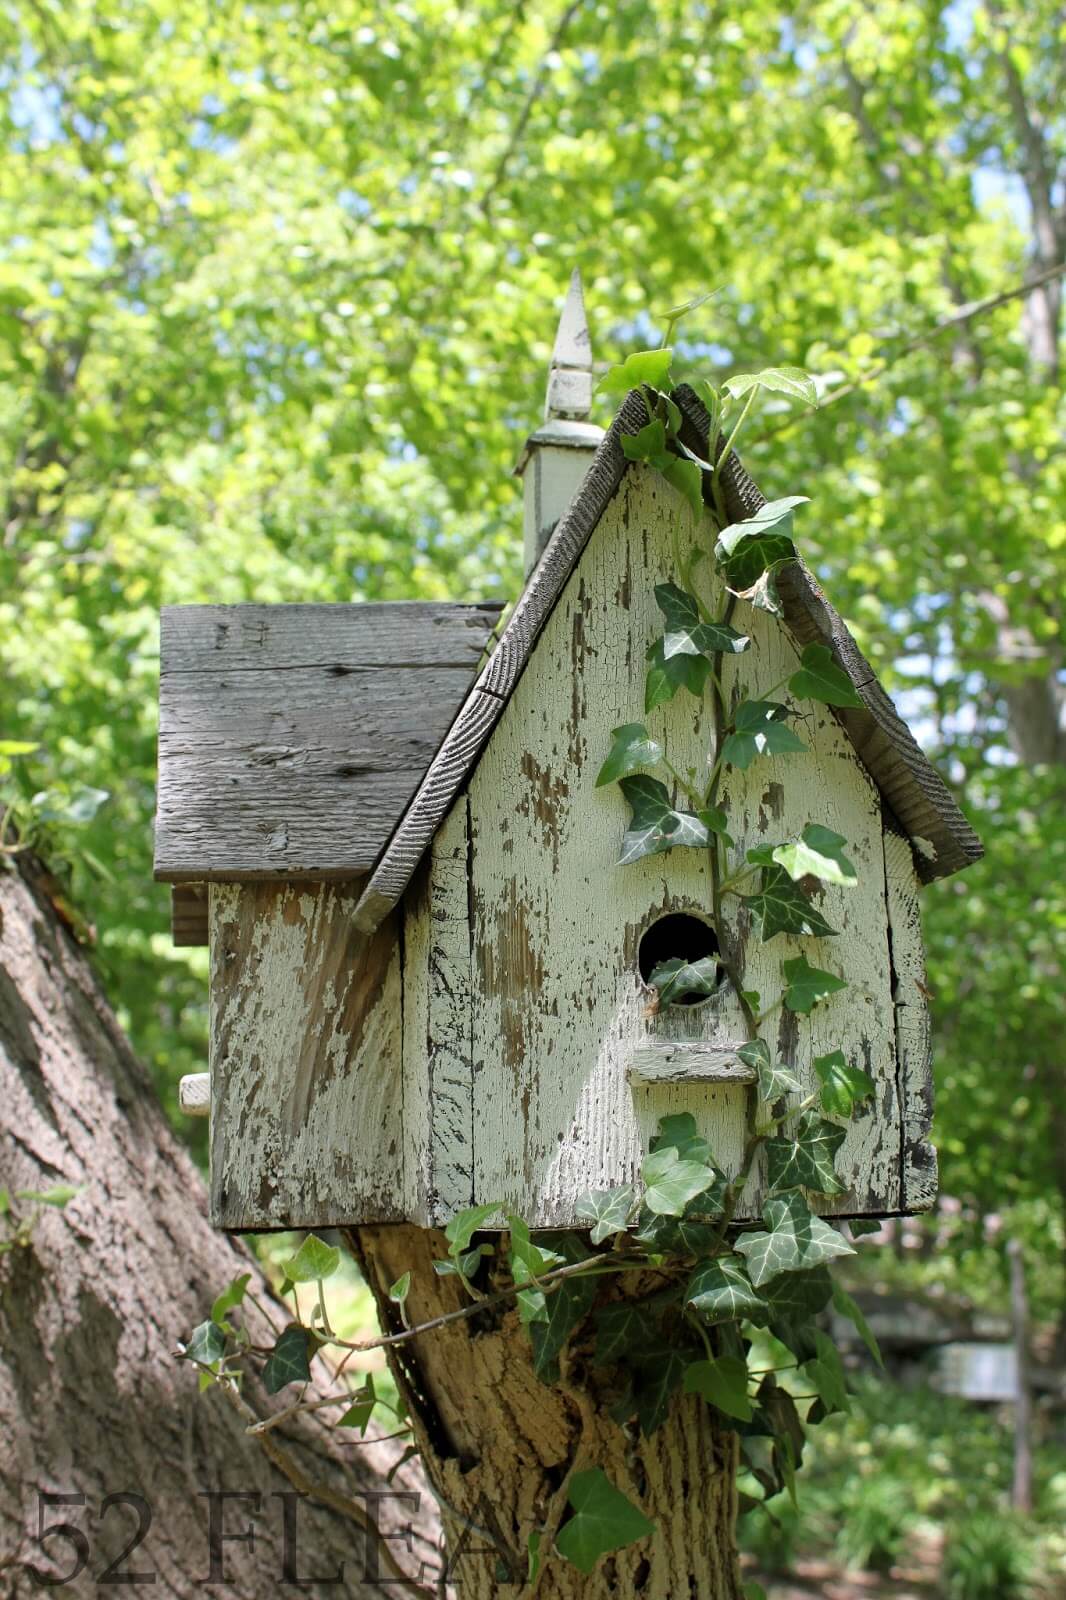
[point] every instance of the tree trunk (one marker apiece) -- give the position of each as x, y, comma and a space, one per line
92, 1400
498, 1444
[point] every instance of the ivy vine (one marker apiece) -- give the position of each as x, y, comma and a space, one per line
721, 1287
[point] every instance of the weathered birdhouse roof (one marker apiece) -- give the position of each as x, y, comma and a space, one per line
292, 737
942, 840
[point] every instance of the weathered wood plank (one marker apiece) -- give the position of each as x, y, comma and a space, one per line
390, 634
292, 737
438, 1027
188, 914
560, 1007
680, 1062
306, 1078
913, 1032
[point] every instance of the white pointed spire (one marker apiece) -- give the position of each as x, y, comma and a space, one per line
570, 375
558, 455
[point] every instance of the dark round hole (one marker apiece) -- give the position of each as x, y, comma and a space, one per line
677, 937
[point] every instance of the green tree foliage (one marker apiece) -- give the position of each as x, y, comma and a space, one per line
276, 293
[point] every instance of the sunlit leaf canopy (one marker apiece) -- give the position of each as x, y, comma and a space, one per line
277, 292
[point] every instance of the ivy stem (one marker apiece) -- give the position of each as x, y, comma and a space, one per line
728, 887
704, 1335
728, 446
683, 784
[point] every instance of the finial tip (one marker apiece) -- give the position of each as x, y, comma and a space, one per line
570, 378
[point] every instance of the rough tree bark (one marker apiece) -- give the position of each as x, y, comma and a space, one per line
92, 1400
497, 1445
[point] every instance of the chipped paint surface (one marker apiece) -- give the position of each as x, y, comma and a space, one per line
305, 1059
912, 1024
438, 1013
557, 1002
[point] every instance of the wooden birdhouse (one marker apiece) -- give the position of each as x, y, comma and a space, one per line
429, 973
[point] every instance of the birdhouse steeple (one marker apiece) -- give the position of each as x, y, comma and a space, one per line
556, 457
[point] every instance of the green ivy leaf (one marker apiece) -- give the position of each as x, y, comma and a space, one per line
793, 1241
844, 1087
807, 985
782, 907
649, 441
722, 1383
787, 1429
846, 1306
532, 1306
401, 1289
819, 678
669, 414
607, 1209
818, 853
462, 1228
793, 1300
464, 1265
760, 728
721, 1290
288, 1361
207, 1344
808, 1160
790, 381
666, 677
603, 1520
775, 1078
651, 367
676, 978
568, 1304
632, 747
358, 1415
672, 1182
826, 1374
861, 1227
685, 476
527, 1256
715, 820
231, 1297
655, 825
693, 1233
315, 1259
621, 1332
686, 634
678, 1131
746, 550
657, 1376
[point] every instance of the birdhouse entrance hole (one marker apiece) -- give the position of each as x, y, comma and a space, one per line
677, 936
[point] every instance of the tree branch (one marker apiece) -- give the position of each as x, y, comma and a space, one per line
535, 91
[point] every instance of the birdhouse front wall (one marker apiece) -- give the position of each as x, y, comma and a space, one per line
532, 1065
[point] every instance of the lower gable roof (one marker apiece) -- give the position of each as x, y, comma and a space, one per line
942, 840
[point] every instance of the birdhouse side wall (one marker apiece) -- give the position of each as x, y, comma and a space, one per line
438, 1020
913, 1029
541, 1102
306, 1079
